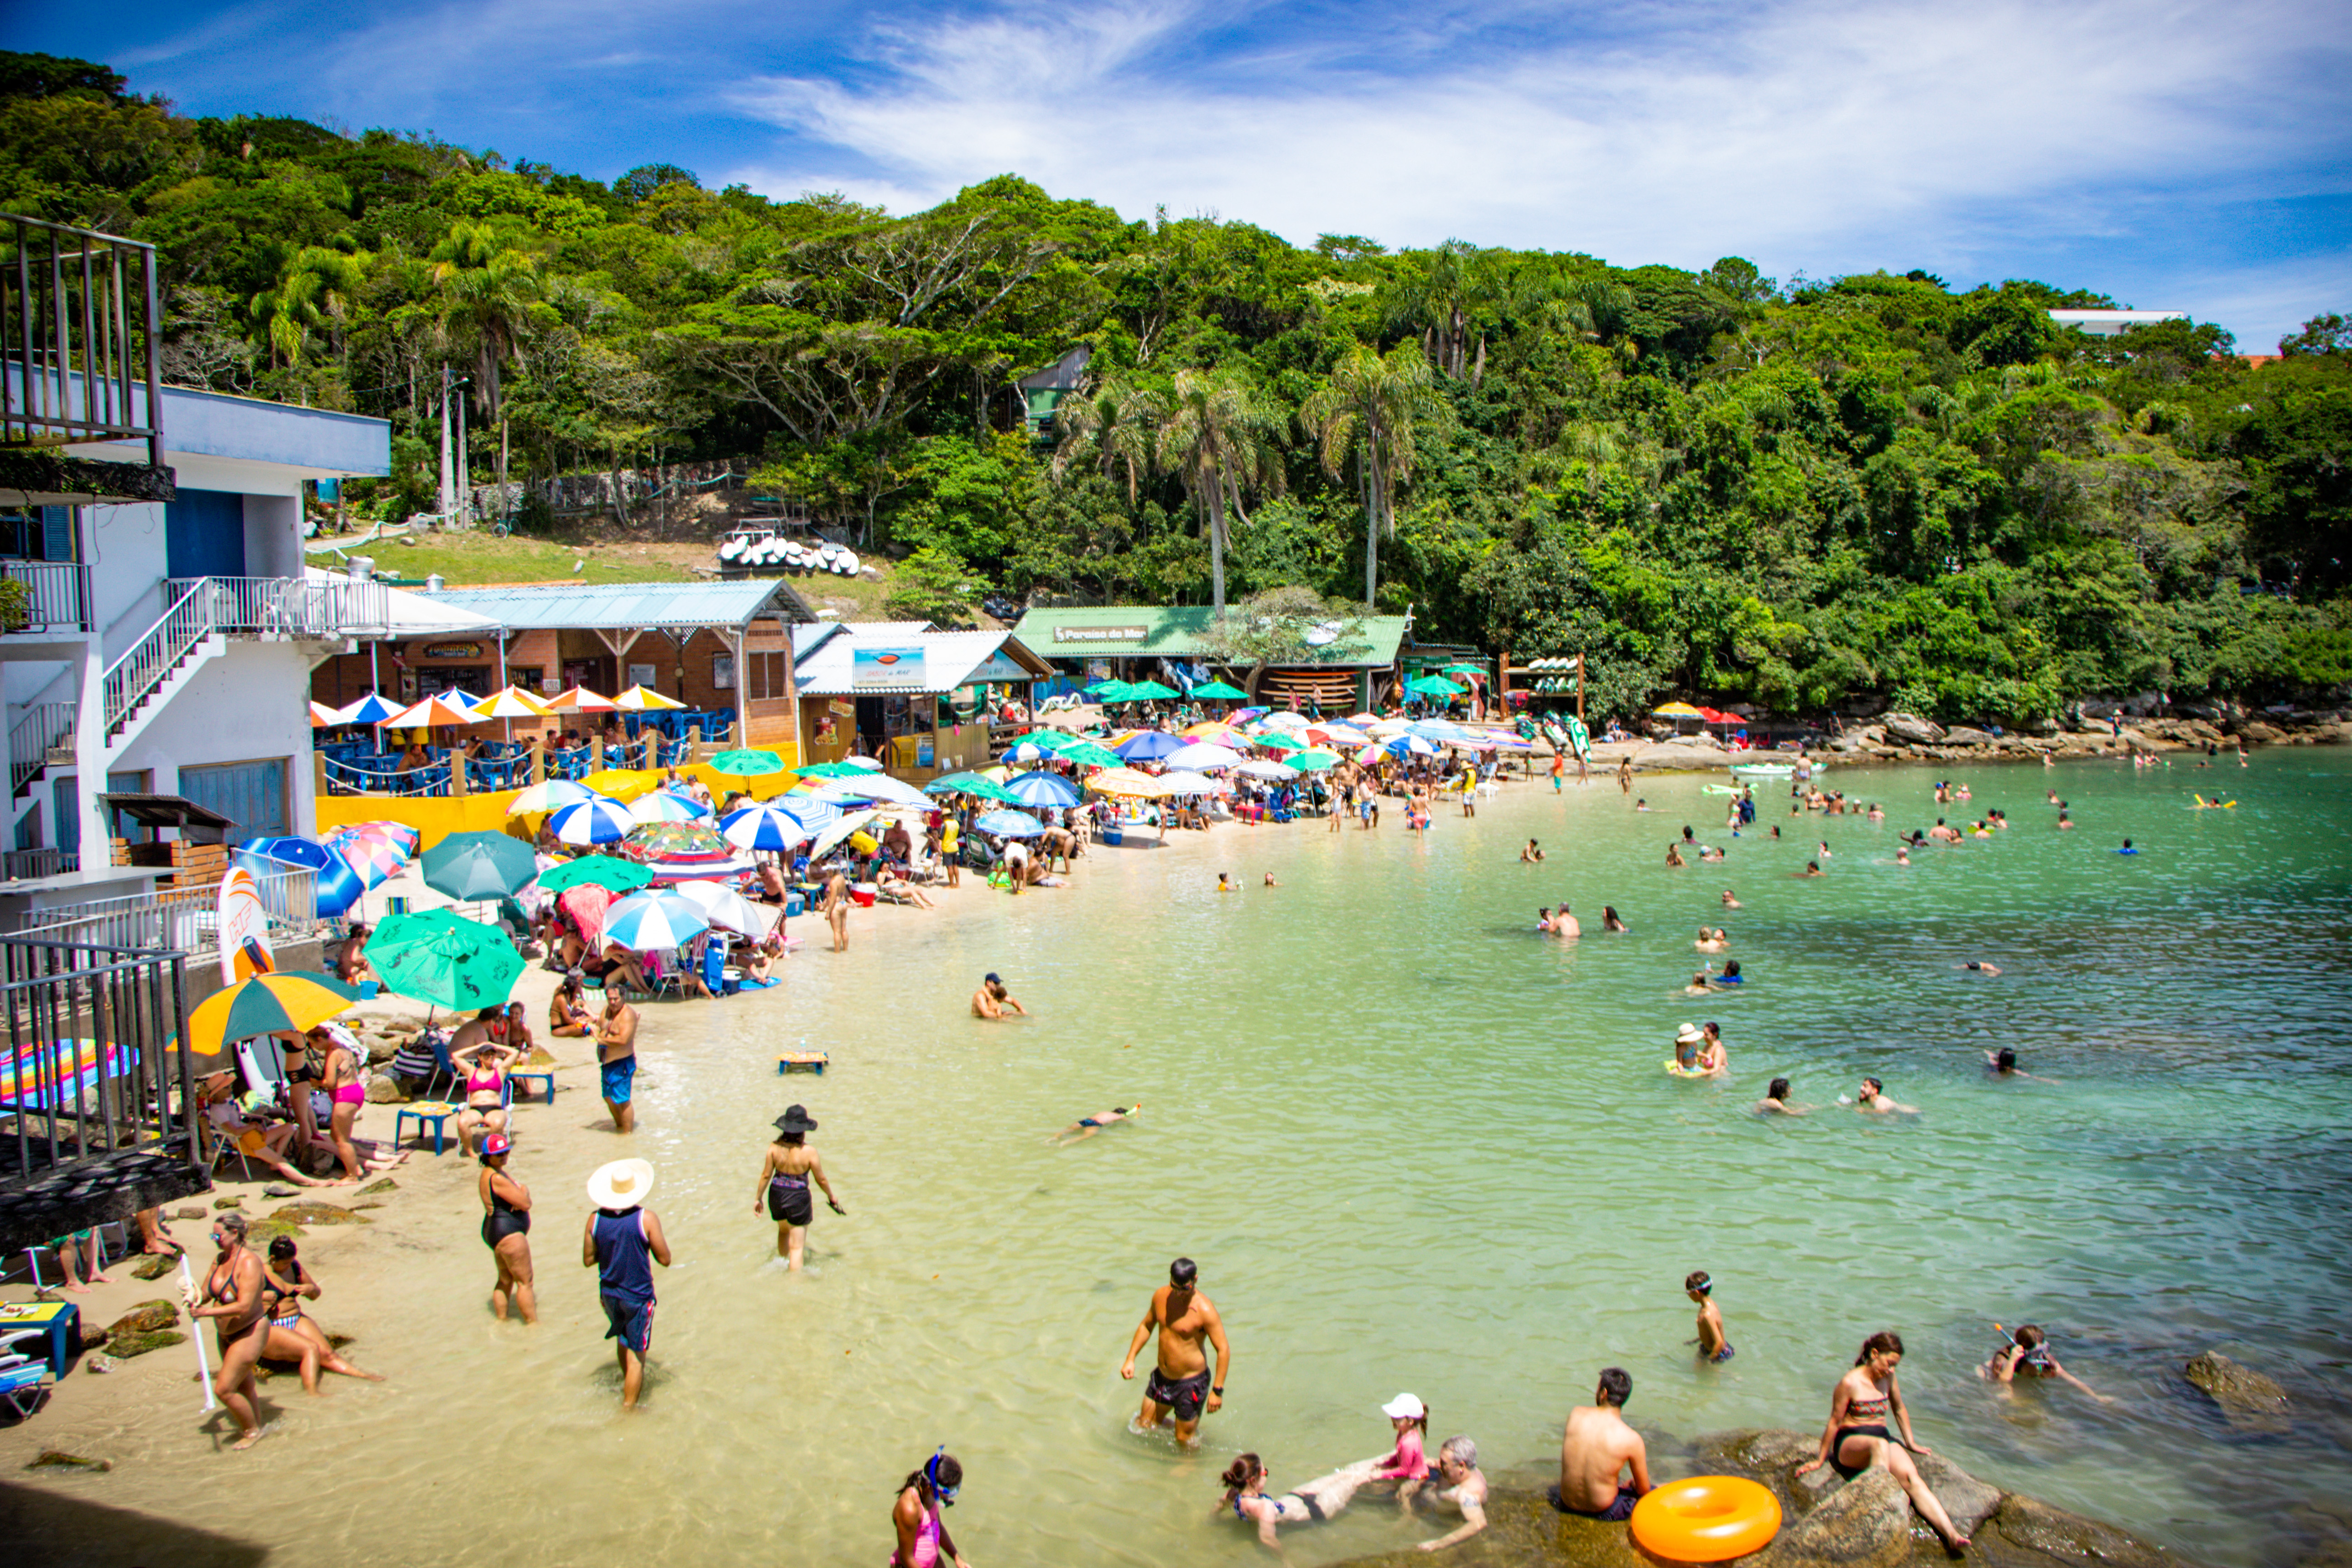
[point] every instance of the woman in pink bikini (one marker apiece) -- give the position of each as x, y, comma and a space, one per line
923, 1536
340, 1079
485, 1067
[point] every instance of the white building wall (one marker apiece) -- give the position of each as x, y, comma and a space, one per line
250, 704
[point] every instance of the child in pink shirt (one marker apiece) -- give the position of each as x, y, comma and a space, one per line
1410, 1416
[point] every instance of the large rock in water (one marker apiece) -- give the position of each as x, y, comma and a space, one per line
1913, 731
147, 1318
1865, 1523
2037, 1527
1962, 735
2251, 1402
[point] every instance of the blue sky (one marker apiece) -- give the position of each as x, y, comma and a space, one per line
2176, 154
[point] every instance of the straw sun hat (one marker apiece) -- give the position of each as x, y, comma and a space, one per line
1688, 1034
623, 1185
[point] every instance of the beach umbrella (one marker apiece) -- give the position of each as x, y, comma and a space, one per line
969, 784
1110, 689
654, 920
472, 867
447, 708
644, 699
511, 702
322, 716
816, 815
1181, 782
367, 710
1432, 686
666, 806
840, 828
1412, 746
1276, 770
667, 840
1042, 789
549, 795
266, 1005
1371, 754
762, 826
882, 786
1277, 741
1464, 670
1286, 720
373, 861
1126, 781
1214, 731
580, 699
723, 906
621, 783
592, 822
1220, 691
748, 765
1150, 691
1007, 824
831, 771
1085, 753
1333, 735
863, 765
1201, 755
1313, 762
609, 872
441, 957
1676, 710
1386, 728
1029, 751
276, 854
1148, 745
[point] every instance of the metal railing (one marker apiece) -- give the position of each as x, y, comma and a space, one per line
78, 319
57, 595
184, 921
289, 606
133, 678
43, 727
91, 1031
29, 865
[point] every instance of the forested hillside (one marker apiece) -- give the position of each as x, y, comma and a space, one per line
1795, 493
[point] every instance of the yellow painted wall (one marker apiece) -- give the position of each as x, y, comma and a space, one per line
438, 816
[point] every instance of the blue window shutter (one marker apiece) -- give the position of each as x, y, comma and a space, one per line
56, 533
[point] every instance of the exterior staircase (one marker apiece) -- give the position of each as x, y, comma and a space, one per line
140, 684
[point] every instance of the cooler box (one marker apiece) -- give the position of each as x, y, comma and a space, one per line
863, 892
1113, 836
730, 981
793, 905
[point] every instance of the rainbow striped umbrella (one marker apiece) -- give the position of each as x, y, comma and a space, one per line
373, 861
56, 1073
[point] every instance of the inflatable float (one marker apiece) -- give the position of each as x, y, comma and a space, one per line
1707, 1519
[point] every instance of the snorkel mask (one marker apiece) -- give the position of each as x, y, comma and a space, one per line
946, 1495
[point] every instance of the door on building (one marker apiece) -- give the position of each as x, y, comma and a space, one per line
67, 801
250, 794
204, 534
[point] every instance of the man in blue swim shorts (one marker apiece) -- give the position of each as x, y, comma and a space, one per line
616, 1053
1597, 1448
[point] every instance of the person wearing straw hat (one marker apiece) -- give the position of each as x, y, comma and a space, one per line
623, 1242
784, 1177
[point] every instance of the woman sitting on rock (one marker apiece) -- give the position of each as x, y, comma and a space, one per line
1856, 1437
292, 1335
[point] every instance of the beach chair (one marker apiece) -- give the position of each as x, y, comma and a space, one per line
23, 1381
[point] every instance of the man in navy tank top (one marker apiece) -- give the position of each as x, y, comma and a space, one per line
622, 1243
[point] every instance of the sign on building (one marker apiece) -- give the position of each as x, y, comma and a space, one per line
885, 668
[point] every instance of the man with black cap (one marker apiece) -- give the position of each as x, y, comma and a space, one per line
993, 999
784, 1180
1182, 1384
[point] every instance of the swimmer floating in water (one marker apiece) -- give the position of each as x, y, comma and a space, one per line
1776, 1100
1980, 967
991, 1000
2027, 1354
1532, 855
1873, 1098
2002, 1063
1225, 883
1085, 1127
1270, 881
1729, 901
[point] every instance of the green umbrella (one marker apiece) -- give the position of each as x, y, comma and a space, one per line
1432, 686
1276, 741
1220, 690
833, 771
748, 764
664, 839
970, 783
607, 871
1149, 691
1464, 670
446, 960
1093, 757
472, 867
1111, 692
1312, 761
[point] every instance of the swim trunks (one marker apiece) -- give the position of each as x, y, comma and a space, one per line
1622, 1508
1723, 1354
789, 1200
631, 1322
617, 1077
1184, 1395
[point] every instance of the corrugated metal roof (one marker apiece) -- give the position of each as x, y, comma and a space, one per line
612, 606
949, 659
1179, 632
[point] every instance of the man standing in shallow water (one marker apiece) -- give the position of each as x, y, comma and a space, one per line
616, 1054
1182, 1384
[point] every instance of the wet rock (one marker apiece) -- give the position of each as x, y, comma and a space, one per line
98, 1362
1967, 1499
122, 1347
1913, 731
316, 1213
145, 1319
357, 1208
1865, 1523
155, 1267
226, 1204
2251, 1402
58, 1459
189, 1210
2037, 1527
281, 1190
1962, 735
381, 1184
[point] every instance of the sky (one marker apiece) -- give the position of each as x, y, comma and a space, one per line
2177, 154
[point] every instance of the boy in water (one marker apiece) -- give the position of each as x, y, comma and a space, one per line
2027, 1354
1085, 1127
1713, 1344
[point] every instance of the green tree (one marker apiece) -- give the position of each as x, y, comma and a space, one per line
1218, 439
1372, 408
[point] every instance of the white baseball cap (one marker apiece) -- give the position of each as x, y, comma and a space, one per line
1405, 1407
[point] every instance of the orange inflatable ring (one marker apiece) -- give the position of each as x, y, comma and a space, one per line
1707, 1519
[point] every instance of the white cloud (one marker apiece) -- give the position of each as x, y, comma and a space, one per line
1788, 132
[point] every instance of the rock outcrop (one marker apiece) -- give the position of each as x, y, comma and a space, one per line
1911, 730
2251, 1402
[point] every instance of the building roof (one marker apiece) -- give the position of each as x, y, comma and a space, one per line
630, 606
2110, 324
951, 659
1179, 632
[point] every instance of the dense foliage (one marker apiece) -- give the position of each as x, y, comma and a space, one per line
1866, 487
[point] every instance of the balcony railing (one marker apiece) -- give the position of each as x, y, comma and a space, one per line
57, 596
79, 318
289, 606
30, 865
185, 921
134, 677
39, 730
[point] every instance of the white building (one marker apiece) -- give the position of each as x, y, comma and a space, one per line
2113, 323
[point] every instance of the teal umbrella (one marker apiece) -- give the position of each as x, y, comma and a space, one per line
1219, 689
473, 867
1432, 686
970, 783
608, 871
748, 764
1148, 691
442, 958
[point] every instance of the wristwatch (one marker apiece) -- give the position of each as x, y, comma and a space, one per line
1219, 1391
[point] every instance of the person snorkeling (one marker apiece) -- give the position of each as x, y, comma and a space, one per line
2027, 1354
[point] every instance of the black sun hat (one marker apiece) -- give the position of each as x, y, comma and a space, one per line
796, 1119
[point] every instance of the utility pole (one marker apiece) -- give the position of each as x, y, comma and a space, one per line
465, 471
449, 501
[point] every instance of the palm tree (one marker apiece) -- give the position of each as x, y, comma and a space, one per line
1114, 421
314, 291
1373, 408
1218, 440
491, 290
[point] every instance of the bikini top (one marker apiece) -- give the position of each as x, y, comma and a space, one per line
1866, 1409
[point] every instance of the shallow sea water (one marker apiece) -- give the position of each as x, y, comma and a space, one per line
1416, 1145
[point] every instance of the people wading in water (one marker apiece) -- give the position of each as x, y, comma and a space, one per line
784, 1177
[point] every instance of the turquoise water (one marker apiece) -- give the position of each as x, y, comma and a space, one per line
1414, 1145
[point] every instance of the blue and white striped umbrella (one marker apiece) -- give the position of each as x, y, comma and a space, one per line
1043, 789
368, 710
1410, 746
1008, 825
654, 920
1149, 744
598, 821
666, 806
1030, 752
765, 825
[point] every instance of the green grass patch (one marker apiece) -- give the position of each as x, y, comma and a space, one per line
463, 560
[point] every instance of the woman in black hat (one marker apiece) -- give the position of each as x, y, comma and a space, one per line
784, 1177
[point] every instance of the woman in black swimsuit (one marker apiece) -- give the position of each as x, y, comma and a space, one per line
1857, 1436
1311, 1502
784, 1177
506, 1230
233, 1299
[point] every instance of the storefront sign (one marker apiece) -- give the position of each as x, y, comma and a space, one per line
1100, 634
873, 668
997, 668
451, 650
